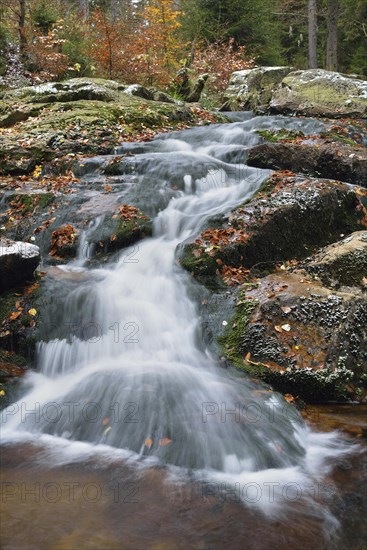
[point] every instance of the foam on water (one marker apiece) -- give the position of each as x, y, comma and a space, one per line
140, 386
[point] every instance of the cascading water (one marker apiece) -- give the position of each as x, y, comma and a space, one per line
137, 377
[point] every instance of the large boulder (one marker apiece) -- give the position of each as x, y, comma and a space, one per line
283, 90
18, 260
314, 157
343, 263
290, 218
316, 92
78, 116
301, 337
96, 89
252, 88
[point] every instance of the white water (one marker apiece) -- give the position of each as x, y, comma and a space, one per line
141, 381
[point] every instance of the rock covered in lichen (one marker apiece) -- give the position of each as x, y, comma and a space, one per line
316, 92
81, 115
301, 337
312, 92
290, 217
342, 264
252, 88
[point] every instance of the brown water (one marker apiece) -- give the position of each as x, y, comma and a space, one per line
92, 505
98, 505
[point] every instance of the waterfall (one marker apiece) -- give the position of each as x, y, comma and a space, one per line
135, 375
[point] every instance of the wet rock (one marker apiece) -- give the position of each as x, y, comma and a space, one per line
290, 218
18, 261
301, 337
328, 160
342, 264
252, 88
19, 316
125, 227
64, 242
316, 92
10, 370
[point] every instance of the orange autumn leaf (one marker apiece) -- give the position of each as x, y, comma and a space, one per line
14, 315
148, 442
164, 441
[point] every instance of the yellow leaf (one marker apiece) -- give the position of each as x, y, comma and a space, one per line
32, 312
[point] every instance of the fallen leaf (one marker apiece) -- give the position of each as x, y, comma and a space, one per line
164, 441
148, 442
32, 312
14, 315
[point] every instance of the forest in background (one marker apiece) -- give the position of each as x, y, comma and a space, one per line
149, 41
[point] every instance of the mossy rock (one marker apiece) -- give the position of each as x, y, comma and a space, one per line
301, 338
27, 203
17, 334
251, 88
316, 92
120, 230
278, 135
202, 266
288, 219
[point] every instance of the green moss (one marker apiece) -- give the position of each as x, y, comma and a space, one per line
230, 341
278, 135
30, 202
203, 267
128, 232
7, 304
13, 358
336, 137
265, 188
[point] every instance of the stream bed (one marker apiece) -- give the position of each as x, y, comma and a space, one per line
130, 433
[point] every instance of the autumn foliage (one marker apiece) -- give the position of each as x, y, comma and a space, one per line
144, 42
145, 50
220, 60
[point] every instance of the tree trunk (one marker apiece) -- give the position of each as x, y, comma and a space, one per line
84, 8
332, 36
312, 34
21, 28
115, 10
